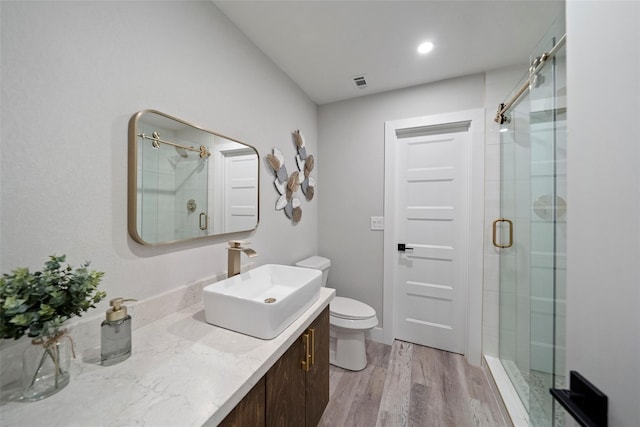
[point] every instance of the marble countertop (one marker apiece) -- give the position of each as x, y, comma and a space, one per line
182, 372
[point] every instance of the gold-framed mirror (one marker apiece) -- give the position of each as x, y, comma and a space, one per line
186, 182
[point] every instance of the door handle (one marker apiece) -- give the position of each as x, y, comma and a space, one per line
306, 362
312, 344
403, 247
495, 233
203, 224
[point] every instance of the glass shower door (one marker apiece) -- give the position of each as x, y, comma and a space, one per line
515, 270
549, 226
548, 236
532, 270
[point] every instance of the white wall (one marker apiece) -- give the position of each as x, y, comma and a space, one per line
603, 279
73, 73
351, 147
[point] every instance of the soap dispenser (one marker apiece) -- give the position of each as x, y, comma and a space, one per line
115, 333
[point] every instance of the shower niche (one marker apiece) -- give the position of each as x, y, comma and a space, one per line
186, 182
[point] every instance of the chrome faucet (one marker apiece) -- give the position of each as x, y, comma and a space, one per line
233, 260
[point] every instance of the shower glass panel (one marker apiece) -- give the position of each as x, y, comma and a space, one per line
532, 271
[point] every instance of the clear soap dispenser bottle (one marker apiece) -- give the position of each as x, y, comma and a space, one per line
115, 333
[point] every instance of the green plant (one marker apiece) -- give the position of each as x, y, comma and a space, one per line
37, 304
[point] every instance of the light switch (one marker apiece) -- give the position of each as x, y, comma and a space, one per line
377, 223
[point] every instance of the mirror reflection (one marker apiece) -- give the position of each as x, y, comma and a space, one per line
186, 182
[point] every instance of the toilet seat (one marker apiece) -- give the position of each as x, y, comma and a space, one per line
350, 309
351, 314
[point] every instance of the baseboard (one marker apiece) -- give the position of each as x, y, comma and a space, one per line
375, 334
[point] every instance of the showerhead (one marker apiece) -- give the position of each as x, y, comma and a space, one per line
182, 152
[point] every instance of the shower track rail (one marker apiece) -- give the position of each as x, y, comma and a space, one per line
204, 152
504, 107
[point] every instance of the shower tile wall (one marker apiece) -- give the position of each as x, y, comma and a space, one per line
190, 184
543, 267
156, 202
548, 160
193, 181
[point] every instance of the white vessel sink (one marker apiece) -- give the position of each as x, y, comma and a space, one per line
262, 302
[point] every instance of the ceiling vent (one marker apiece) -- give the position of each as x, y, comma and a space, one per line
360, 81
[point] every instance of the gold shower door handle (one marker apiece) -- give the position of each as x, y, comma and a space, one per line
203, 225
495, 233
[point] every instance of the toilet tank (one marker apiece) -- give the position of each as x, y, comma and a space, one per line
317, 263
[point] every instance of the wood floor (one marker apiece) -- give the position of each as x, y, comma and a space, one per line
410, 385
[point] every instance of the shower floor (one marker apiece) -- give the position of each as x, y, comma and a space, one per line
533, 389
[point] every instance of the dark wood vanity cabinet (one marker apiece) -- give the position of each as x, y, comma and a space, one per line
285, 383
250, 410
298, 383
295, 391
317, 381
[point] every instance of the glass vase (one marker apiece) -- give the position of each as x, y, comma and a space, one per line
45, 366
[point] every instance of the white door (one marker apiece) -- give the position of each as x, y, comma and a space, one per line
241, 189
432, 196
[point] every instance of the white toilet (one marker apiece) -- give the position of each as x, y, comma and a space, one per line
349, 320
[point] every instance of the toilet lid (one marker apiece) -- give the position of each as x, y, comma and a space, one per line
347, 308
316, 262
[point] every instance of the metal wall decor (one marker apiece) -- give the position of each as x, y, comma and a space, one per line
305, 165
288, 184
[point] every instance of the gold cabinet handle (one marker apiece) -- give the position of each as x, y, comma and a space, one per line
495, 233
205, 225
306, 362
312, 334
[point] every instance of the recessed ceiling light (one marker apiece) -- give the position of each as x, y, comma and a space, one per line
425, 47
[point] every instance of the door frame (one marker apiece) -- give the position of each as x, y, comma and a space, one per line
475, 249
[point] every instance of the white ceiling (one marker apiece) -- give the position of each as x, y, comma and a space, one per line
322, 45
